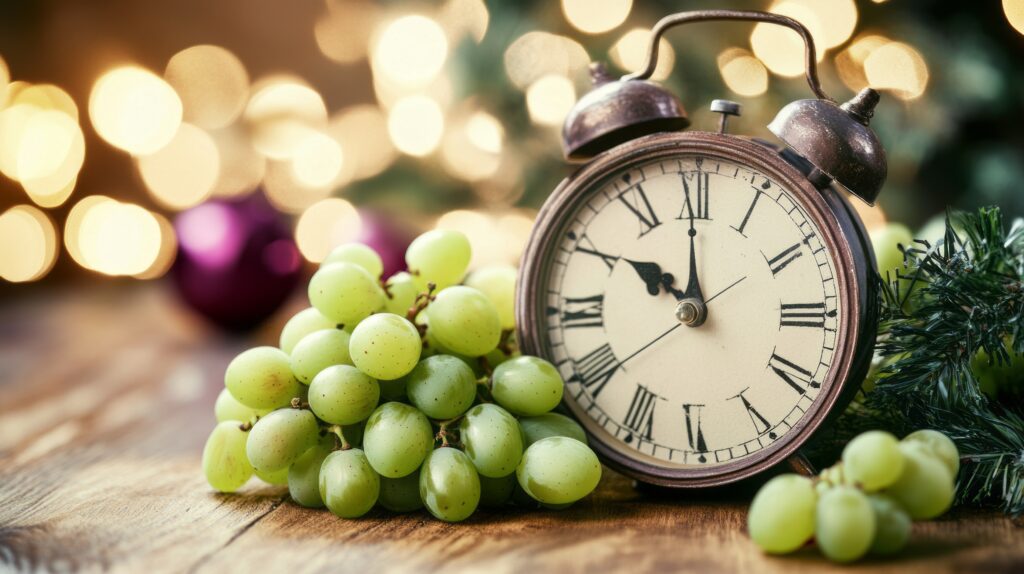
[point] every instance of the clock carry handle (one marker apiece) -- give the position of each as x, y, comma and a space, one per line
681, 18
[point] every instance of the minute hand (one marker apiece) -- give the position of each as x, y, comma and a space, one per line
693, 283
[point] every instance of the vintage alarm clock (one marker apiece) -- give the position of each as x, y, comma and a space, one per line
709, 298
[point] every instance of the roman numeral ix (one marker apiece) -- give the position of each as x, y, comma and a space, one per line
583, 312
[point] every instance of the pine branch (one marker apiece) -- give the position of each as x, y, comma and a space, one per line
952, 301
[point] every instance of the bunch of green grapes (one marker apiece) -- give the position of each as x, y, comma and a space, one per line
863, 504
407, 393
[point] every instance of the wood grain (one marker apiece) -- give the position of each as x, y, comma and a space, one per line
106, 399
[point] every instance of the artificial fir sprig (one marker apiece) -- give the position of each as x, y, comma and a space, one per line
951, 301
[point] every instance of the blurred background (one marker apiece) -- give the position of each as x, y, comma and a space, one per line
224, 147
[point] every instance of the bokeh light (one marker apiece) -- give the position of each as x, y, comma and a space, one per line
281, 113
416, 124
116, 238
472, 147
596, 16
343, 31
168, 250
1014, 11
286, 192
549, 100
630, 53
29, 243
850, 62
325, 225
212, 83
135, 110
410, 50
742, 72
782, 49
461, 17
50, 156
184, 172
241, 166
43, 96
497, 238
73, 224
366, 145
537, 54
899, 68
318, 160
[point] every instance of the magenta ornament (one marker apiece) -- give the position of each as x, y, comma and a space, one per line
387, 237
237, 261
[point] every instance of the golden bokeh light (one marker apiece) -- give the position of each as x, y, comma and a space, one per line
781, 49
134, 110
325, 225
73, 224
54, 199
462, 17
241, 166
410, 51
318, 160
850, 62
440, 89
898, 68
29, 242
286, 193
596, 16
116, 238
1014, 11
836, 20
281, 113
497, 238
183, 173
630, 53
366, 145
416, 124
537, 54
168, 249
343, 31
471, 149
50, 156
13, 123
549, 100
212, 83
742, 72
45, 97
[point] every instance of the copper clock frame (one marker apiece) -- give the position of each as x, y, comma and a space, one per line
844, 237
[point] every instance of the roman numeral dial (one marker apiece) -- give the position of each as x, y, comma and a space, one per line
642, 378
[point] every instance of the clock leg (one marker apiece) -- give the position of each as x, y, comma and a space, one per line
799, 463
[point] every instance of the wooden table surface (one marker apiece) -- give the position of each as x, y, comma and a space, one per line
106, 397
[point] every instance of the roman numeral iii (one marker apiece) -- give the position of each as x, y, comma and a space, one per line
804, 315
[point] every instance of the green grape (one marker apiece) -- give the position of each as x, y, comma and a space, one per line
279, 438
227, 408
498, 283
892, 525
440, 257
844, 524
304, 474
442, 386
403, 291
348, 485
557, 470
781, 517
401, 494
397, 439
464, 321
872, 460
925, 489
275, 477
261, 378
357, 254
345, 293
301, 324
449, 485
392, 390
527, 386
385, 346
492, 440
941, 446
497, 492
343, 395
550, 424
496, 357
319, 350
224, 461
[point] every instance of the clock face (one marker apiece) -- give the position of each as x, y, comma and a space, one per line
650, 252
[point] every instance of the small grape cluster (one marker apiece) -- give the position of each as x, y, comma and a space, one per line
406, 393
864, 503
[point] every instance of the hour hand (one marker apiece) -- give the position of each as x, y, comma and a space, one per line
650, 273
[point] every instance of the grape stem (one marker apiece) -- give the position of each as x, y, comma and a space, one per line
246, 426
421, 302
298, 403
444, 433
336, 430
506, 345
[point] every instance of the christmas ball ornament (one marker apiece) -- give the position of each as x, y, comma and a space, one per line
237, 261
708, 298
387, 238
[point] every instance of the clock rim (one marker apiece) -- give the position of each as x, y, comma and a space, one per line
572, 192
